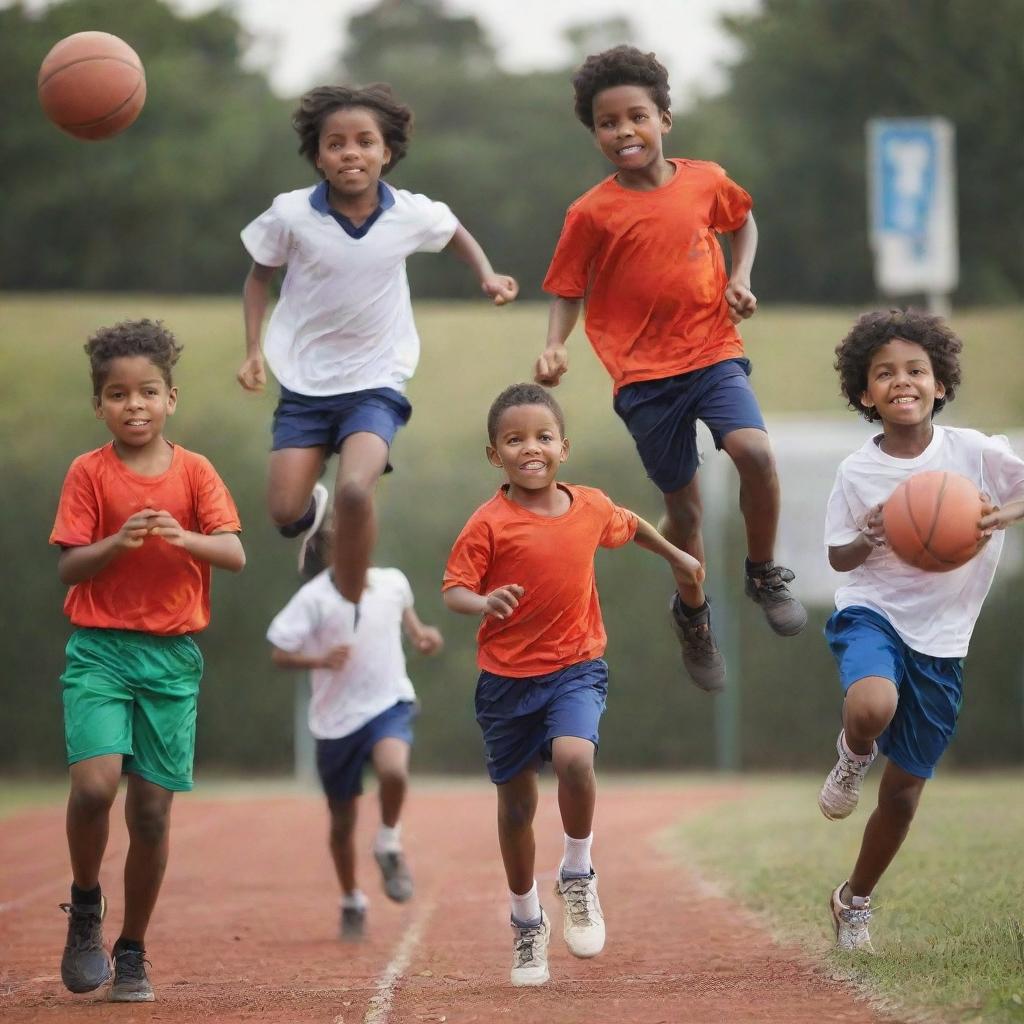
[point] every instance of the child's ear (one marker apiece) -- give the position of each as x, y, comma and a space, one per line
666, 121
865, 400
172, 401
565, 450
494, 458
940, 389
97, 408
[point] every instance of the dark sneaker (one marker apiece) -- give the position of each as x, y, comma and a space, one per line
397, 880
311, 560
131, 983
701, 656
767, 587
353, 923
85, 964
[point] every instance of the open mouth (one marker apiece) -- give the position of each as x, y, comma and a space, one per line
630, 150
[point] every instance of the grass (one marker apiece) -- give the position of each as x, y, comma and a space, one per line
949, 921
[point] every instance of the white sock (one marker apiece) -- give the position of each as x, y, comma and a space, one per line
354, 900
576, 857
525, 908
388, 840
854, 756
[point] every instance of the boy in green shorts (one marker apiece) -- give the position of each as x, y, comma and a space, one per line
139, 524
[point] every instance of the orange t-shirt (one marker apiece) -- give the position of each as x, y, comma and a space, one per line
157, 588
558, 621
651, 272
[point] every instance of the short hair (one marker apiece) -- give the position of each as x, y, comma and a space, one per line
878, 328
148, 338
393, 118
522, 394
622, 65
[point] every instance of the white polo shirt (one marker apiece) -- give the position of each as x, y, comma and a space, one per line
933, 612
374, 678
344, 319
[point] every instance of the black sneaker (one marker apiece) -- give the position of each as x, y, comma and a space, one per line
353, 923
397, 880
85, 964
701, 656
767, 587
131, 983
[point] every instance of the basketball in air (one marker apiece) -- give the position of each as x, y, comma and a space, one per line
931, 520
92, 85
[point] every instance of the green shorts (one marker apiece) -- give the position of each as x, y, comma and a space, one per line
133, 694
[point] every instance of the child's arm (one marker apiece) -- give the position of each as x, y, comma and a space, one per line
554, 360
846, 557
743, 244
255, 295
426, 639
500, 287
500, 603
335, 658
78, 564
999, 517
685, 568
223, 550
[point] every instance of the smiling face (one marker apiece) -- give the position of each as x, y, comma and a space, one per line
352, 153
628, 127
135, 401
529, 446
901, 385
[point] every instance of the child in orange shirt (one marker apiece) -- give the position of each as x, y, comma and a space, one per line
139, 524
640, 250
525, 563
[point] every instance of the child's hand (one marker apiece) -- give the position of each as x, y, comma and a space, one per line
252, 376
741, 301
994, 518
500, 287
550, 366
336, 657
501, 603
135, 528
164, 525
874, 529
687, 570
428, 640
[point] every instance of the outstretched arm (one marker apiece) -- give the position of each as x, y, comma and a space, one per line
255, 296
426, 639
685, 568
499, 287
554, 360
743, 243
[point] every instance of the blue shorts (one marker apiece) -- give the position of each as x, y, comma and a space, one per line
864, 643
305, 421
520, 717
662, 417
340, 762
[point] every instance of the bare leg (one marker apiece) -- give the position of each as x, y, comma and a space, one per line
391, 765
292, 473
573, 761
751, 451
681, 526
93, 790
148, 815
517, 804
868, 708
342, 841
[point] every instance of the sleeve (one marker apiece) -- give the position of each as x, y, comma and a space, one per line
268, 238
569, 272
435, 224
1002, 471
620, 524
732, 204
470, 558
404, 589
295, 624
840, 525
78, 513
215, 508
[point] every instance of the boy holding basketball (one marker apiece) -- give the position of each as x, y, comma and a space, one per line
342, 341
640, 249
140, 523
524, 564
899, 634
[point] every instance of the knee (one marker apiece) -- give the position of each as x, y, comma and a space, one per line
755, 461
901, 804
343, 823
682, 515
353, 496
149, 823
91, 798
392, 776
516, 814
576, 772
286, 509
868, 720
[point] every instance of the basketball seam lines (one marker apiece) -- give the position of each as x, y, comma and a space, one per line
107, 117
84, 60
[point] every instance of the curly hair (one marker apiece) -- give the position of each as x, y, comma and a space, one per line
622, 65
522, 394
393, 118
878, 328
148, 338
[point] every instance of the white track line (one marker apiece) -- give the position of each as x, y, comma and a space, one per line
380, 1005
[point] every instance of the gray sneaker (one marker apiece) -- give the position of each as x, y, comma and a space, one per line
85, 964
851, 923
701, 656
397, 880
353, 923
131, 983
530, 953
785, 614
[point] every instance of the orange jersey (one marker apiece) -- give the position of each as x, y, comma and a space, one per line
651, 272
156, 588
558, 621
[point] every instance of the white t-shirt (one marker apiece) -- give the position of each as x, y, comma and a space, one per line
374, 678
344, 320
934, 612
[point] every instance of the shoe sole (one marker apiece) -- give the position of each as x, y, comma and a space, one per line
132, 997
81, 987
399, 897
531, 983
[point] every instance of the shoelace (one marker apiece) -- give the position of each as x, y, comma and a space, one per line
773, 579
846, 772
82, 936
858, 918
577, 898
525, 943
129, 965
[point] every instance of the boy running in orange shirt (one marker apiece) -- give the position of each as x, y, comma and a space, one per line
640, 251
525, 563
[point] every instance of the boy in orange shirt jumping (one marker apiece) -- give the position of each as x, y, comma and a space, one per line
525, 563
640, 250
139, 524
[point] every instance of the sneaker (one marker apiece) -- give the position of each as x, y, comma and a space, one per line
308, 554
701, 656
353, 923
785, 614
851, 923
841, 791
131, 983
397, 880
530, 953
85, 964
583, 920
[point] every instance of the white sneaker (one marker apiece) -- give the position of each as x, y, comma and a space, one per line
530, 953
583, 920
320, 503
851, 923
841, 791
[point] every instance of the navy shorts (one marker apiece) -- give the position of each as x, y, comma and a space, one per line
340, 762
864, 643
305, 421
662, 417
520, 717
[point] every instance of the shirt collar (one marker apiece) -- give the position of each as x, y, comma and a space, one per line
320, 202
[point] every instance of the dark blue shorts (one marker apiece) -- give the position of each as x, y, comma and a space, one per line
662, 417
340, 762
520, 717
864, 643
305, 421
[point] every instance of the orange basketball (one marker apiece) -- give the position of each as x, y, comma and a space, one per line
931, 520
92, 85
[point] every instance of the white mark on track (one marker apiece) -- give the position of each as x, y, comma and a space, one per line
380, 1005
